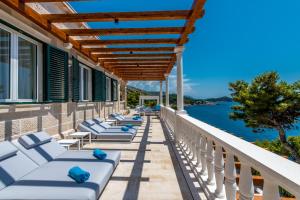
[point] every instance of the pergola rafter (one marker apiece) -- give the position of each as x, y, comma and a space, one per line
124, 31
132, 49
152, 55
131, 62
119, 16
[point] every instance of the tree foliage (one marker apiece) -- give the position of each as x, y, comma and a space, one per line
267, 103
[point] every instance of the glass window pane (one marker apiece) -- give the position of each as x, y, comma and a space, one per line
26, 70
4, 64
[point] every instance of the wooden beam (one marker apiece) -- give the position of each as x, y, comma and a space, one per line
138, 49
119, 16
46, 1
26, 11
126, 77
142, 79
197, 11
131, 41
136, 60
123, 31
131, 69
140, 64
153, 55
141, 73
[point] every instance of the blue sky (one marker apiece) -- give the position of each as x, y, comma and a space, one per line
235, 40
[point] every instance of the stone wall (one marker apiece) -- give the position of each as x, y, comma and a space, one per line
57, 119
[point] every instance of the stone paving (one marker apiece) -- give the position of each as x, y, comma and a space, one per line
148, 168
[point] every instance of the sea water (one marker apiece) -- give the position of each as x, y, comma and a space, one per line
218, 116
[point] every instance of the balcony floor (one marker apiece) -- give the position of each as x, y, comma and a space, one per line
149, 168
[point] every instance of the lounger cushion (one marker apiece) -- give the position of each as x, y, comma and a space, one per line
7, 150
51, 180
43, 153
14, 167
34, 139
107, 135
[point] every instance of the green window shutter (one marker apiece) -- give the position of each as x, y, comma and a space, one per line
99, 87
76, 79
97, 75
56, 75
103, 87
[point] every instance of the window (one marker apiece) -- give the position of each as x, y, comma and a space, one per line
115, 90
108, 89
4, 64
85, 83
19, 63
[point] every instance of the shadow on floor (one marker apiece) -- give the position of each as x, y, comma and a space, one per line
133, 186
186, 182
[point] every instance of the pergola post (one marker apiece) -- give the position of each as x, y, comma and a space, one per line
180, 92
167, 90
161, 94
125, 95
119, 96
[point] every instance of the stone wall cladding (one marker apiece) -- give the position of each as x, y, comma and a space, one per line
56, 119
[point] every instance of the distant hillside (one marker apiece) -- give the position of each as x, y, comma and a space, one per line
224, 99
134, 93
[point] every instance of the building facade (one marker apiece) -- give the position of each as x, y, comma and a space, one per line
45, 84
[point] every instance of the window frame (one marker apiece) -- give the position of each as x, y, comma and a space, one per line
108, 88
14, 68
83, 67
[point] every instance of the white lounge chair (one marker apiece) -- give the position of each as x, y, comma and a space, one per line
36, 167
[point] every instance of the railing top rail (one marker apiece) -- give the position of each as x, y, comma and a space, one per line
285, 172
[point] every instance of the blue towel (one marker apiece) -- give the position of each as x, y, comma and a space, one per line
124, 128
129, 125
98, 153
136, 118
79, 175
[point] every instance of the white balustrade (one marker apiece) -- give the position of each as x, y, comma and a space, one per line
219, 171
198, 139
203, 155
230, 177
210, 162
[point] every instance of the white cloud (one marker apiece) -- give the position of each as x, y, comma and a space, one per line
188, 85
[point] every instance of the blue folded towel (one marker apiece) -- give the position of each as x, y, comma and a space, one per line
79, 175
129, 125
98, 153
124, 128
136, 118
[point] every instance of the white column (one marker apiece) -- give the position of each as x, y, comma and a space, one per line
125, 95
167, 91
119, 96
180, 92
161, 94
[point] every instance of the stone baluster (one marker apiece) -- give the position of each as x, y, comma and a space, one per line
271, 190
210, 162
194, 141
219, 171
230, 177
203, 155
246, 187
198, 149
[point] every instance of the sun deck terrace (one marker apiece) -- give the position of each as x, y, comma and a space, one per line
57, 73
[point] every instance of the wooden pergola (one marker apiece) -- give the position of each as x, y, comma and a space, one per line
129, 63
